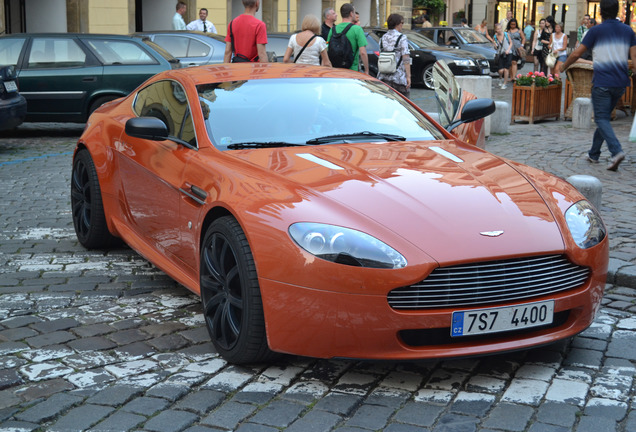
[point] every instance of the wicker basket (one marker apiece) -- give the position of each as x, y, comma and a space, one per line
580, 78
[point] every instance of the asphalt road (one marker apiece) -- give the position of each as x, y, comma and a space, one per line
94, 340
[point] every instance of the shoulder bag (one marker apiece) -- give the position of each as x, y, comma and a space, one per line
303, 48
387, 63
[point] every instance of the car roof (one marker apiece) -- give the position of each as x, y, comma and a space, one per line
226, 72
195, 33
72, 35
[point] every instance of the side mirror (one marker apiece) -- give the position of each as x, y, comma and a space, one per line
150, 128
474, 109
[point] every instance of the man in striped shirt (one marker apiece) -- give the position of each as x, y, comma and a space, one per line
612, 43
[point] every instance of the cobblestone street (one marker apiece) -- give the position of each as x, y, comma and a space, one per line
104, 341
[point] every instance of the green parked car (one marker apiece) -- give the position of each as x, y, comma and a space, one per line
66, 76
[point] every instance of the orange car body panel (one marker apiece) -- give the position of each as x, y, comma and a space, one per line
422, 204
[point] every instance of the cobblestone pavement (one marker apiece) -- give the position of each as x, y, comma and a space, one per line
95, 340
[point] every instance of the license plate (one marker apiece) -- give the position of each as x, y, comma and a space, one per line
485, 71
501, 319
10, 86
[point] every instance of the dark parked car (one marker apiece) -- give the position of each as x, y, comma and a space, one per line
424, 54
12, 103
192, 48
462, 38
66, 76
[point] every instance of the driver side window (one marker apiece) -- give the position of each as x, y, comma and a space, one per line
167, 101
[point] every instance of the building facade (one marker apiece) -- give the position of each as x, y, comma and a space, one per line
128, 16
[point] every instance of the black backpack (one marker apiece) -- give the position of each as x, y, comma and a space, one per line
340, 51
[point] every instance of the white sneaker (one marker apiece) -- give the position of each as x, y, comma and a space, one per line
503, 86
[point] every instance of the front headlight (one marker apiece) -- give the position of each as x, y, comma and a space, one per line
345, 246
585, 224
465, 63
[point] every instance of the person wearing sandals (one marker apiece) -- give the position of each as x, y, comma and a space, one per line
308, 47
400, 80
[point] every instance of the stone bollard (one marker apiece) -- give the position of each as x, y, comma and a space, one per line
480, 86
589, 186
582, 113
500, 119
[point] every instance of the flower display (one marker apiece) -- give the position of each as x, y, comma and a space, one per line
539, 79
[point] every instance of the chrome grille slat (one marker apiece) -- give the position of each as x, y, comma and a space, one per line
490, 282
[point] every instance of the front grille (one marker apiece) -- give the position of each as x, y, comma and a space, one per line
490, 282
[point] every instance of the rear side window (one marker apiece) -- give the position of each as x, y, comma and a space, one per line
116, 52
55, 53
198, 49
175, 45
10, 50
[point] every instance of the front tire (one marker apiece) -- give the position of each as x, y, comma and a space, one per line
231, 297
86, 204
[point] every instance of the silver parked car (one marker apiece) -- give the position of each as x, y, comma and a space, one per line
192, 48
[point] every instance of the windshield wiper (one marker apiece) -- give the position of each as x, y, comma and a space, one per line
353, 136
256, 144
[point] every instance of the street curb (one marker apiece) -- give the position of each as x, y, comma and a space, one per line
621, 273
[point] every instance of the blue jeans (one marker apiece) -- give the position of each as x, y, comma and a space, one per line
604, 100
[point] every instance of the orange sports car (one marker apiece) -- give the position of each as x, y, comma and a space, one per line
318, 212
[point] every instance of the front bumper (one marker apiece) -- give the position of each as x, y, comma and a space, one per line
327, 324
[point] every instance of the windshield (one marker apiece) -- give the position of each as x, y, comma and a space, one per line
471, 36
298, 110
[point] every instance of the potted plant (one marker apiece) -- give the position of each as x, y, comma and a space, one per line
536, 96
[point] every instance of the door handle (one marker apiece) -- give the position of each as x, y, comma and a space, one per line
196, 194
89, 79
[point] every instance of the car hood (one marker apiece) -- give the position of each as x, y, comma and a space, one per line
454, 52
454, 202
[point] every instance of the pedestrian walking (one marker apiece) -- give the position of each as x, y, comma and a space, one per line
308, 47
177, 20
246, 36
537, 47
546, 36
580, 32
504, 57
395, 40
518, 41
612, 44
559, 43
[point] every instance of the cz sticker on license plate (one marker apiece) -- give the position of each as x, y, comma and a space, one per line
501, 319
10, 86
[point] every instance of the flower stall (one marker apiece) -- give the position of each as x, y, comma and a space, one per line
536, 96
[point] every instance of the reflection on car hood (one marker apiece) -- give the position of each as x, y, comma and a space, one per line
454, 52
434, 194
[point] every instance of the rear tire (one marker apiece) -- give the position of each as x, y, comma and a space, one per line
86, 204
231, 296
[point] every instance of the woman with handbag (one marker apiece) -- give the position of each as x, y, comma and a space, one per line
395, 41
307, 46
504, 46
518, 41
546, 36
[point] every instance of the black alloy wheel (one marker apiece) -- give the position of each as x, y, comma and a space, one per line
86, 204
232, 305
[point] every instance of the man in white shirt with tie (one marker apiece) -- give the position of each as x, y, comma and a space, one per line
202, 24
